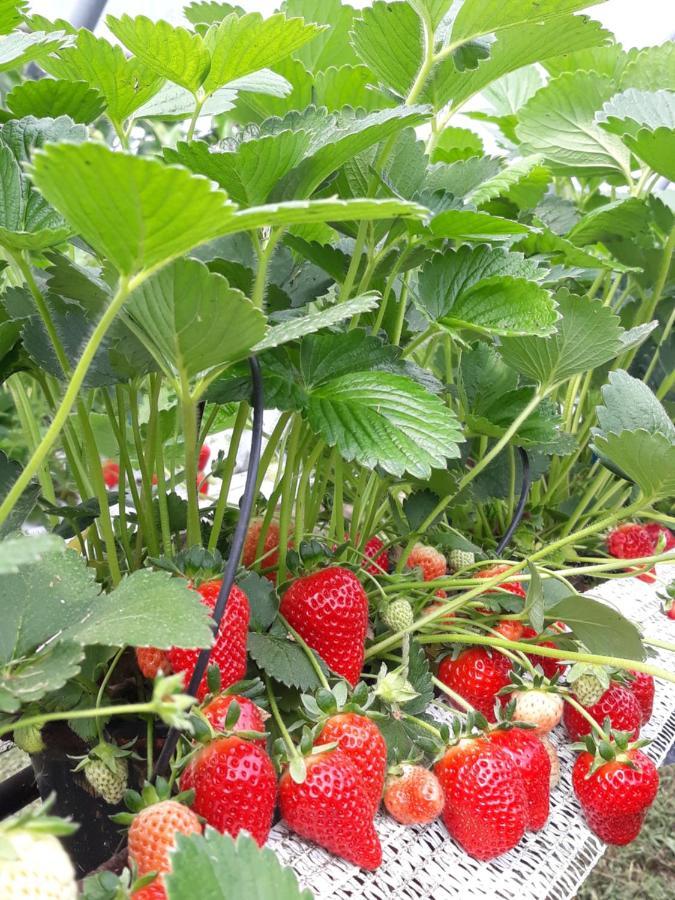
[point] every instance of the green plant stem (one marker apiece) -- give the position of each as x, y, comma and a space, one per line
158, 454
303, 488
400, 313
585, 713
70, 396
149, 742
274, 709
663, 340
125, 709
288, 494
24, 266
309, 653
354, 263
104, 684
271, 447
453, 695
264, 256
594, 486
666, 385
199, 103
145, 496
189, 415
338, 517
30, 430
228, 471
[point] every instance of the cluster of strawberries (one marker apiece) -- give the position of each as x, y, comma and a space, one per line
491, 778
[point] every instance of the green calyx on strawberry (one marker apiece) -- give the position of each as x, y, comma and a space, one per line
614, 746
311, 555
588, 682
195, 563
393, 687
338, 699
150, 794
106, 768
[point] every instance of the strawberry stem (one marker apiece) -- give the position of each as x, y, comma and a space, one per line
310, 654
584, 712
274, 709
453, 695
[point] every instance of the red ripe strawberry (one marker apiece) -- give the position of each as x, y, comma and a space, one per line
152, 834
151, 661
111, 473
485, 799
617, 703
202, 484
630, 541
616, 796
373, 550
511, 629
655, 531
204, 454
235, 787
532, 760
250, 715
415, 796
477, 675
153, 891
329, 610
445, 619
270, 549
229, 650
548, 665
332, 809
669, 608
513, 587
361, 740
642, 688
429, 560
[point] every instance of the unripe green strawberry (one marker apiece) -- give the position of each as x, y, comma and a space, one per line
588, 689
460, 559
398, 615
29, 739
109, 780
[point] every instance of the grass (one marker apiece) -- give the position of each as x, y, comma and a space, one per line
645, 868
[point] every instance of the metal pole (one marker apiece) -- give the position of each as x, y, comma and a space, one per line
88, 13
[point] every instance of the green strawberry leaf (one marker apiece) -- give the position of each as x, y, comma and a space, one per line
642, 457
645, 121
388, 38
629, 404
600, 628
505, 306
283, 660
328, 48
12, 14
31, 678
52, 98
20, 48
22, 551
467, 225
262, 598
297, 327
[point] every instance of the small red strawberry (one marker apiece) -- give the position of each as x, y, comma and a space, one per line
659, 533
250, 716
445, 619
331, 808
617, 704
486, 807
413, 795
203, 484
630, 541
669, 608
380, 558
532, 760
111, 473
152, 661
548, 665
513, 587
153, 891
270, 548
235, 787
359, 738
229, 650
641, 686
477, 675
511, 629
204, 454
329, 610
152, 834
615, 793
539, 708
429, 560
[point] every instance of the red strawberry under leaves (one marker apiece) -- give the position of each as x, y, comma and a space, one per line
329, 610
359, 738
641, 687
511, 629
616, 796
152, 661
331, 808
513, 587
250, 715
270, 547
111, 473
655, 531
373, 550
414, 795
486, 807
477, 675
204, 454
617, 703
153, 891
630, 541
430, 560
229, 650
533, 762
548, 665
235, 787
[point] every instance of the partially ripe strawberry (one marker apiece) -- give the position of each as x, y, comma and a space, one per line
630, 541
414, 796
250, 715
111, 473
152, 661
486, 807
359, 738
477, 675
152, 834
642, 688
331, 808
554, 759
617, 704
373, 550
204, 454
532, 760
329, 610
511, 629
270, 548
543, 709
429, 560
513, 587
616, 796
229, 650
235, 787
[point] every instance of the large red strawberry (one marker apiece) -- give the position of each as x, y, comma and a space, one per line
429, 560
477, 675
329, 610
486, 809
331, 808
513, 587
534, 765
413, 795
229, 651
235, 787
152, 834
250, 716
617, 704
359, 738
641, 687
615, 794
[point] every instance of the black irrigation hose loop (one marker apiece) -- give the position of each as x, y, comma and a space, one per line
246, 507
522, 500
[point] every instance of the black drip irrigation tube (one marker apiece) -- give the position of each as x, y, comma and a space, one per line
522, 500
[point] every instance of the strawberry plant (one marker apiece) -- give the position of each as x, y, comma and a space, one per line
455, 335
